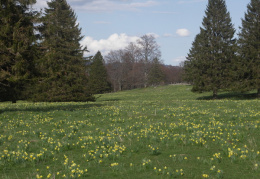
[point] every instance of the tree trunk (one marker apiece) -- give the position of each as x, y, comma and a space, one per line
119, 86
258, 93
215, 93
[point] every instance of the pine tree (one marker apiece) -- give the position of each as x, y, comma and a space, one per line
249, 51
196, 64
155, 75
210, 59
98, 78
17, 46
63, 70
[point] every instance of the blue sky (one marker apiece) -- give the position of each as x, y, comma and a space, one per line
112, 24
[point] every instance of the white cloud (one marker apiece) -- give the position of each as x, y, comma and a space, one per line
178, 60
113, 42
109, 6
153, 34
190, 1
104, 5
183, 32
40, 4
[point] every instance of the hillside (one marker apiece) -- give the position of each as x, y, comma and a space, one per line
162, 132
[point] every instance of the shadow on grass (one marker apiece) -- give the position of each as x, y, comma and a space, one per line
231, 95
51, 107
110, 100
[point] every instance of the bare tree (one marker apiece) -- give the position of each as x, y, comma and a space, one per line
149, 50
128, 68
114, 68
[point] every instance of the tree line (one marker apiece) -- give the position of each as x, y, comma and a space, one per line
42, 59
217, 60
139, 65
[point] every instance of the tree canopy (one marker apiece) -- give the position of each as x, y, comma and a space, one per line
62, 67
98, 78
210, 59
249, 49
17, 47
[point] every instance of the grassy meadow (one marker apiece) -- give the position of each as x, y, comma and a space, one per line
162, 132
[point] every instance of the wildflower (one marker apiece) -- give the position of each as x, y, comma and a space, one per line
38, 176
49, 175
213, 167
205, 175
114, 164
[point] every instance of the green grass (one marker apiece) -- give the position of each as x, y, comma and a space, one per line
162, 132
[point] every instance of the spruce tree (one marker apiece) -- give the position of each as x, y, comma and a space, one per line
196, 65
155, 75
17, 47
98, 78
249, 49
62, 68
210, 59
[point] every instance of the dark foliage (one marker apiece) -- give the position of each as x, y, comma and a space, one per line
62, 69
209, 62
98, 78
249, 49
17, 48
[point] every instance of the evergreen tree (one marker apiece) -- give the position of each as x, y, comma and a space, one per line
17, 46
249, 51
62, 67
196, 64
210, 59
155, 75
98, 78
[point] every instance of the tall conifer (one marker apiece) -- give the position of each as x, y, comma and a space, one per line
62, 67
98, 78
155, 75
249, 51
210, 59
17, 42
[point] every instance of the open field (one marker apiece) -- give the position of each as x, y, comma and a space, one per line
163, 132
